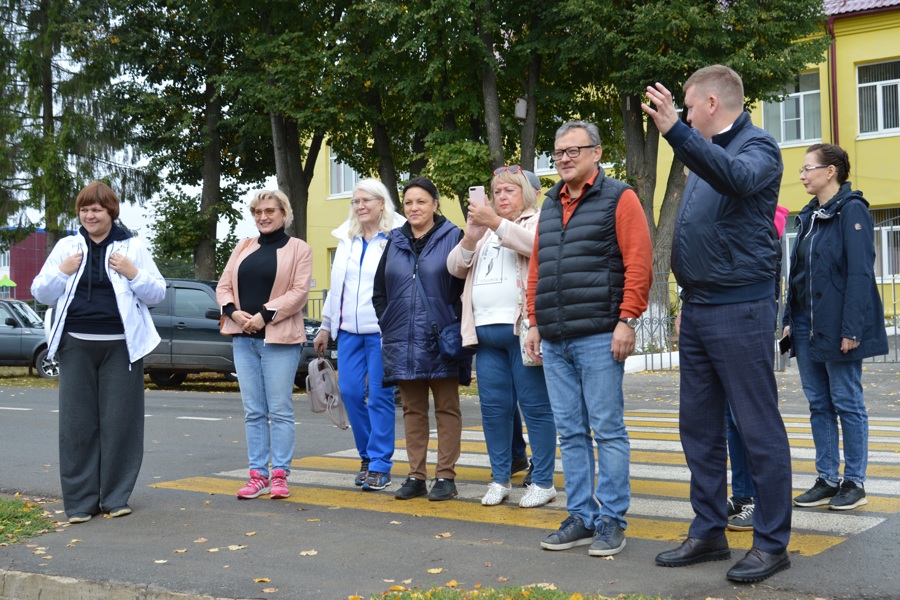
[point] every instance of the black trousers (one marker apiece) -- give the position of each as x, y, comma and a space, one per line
727, 354
101, 424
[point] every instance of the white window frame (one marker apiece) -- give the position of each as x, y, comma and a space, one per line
340, 175
803, 98
879, 86
887, 263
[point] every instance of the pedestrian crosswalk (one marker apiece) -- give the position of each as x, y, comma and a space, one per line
660, 509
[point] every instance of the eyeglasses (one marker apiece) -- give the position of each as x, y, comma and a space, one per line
511, 168
571, 152
806, 170
363, 201
259, 212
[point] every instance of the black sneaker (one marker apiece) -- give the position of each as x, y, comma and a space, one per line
572, 532
849, 496
411, 488
363, 473
518, 465
527, 481
736, 506
443, 489
820, 493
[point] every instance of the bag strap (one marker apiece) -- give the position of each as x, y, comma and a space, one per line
425, 301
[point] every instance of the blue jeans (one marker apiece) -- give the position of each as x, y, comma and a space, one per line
266, 376
741, 483
502, 380
372, 421
834, 390
585, 385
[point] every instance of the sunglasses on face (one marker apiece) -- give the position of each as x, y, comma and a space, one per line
259, 212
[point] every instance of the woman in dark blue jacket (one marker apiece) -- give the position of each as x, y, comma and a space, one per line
418, 250
835, 319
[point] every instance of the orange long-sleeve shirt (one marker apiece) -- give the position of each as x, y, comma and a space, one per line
633, 237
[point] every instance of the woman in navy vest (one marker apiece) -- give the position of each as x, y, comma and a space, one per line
419, 249
835, 318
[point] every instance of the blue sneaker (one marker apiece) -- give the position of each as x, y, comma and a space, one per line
571, 533
363, 473
376, 481
609, 539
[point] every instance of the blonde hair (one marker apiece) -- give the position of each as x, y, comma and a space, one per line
720, 81
518, 178
279, 197
375, 188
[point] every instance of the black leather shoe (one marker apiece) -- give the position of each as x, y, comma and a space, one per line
758, 565
694, 551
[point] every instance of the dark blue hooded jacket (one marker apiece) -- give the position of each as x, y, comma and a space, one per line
840, 296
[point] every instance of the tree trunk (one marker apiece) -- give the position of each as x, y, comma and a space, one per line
46, 180
289, 168
387, 170
490, 94
211, 194
529, 126
665, 229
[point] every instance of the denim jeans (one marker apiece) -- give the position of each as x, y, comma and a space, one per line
266, 376
373, 420
834, 390
502, 380
741, 483
585, 385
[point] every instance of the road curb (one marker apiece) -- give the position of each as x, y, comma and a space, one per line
18, 585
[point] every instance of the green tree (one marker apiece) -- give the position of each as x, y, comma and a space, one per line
629, 46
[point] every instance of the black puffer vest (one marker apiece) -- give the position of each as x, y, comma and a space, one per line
581, 274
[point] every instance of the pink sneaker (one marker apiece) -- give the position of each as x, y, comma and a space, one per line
279, 484
257, 486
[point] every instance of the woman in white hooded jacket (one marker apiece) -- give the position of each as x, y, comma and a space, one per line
101, 281
348, 315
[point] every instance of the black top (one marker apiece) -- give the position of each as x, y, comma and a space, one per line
256, 276
93, 309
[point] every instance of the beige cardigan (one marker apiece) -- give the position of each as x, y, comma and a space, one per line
519, 237
289, 291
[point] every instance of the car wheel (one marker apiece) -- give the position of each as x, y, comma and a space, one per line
49, 369
167, 379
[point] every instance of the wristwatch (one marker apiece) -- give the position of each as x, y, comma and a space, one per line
633, 323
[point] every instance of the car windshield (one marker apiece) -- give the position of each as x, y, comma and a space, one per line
26, 314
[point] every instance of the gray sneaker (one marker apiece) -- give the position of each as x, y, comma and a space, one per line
609, 539
743, 521
820, 493
571, 533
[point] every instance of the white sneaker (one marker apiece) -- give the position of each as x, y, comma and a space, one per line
495, 495
537, 496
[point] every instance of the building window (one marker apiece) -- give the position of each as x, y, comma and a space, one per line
887, 252
797, 118
343, 178
879, 97
543, 164
4, 259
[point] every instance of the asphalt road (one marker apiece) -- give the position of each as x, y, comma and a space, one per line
190, 534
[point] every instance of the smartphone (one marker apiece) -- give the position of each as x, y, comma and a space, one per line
476, 195
784, 344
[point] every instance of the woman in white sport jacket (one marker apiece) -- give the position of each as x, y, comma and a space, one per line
101, 281
348, 315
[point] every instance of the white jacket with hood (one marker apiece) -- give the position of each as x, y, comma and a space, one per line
53, 287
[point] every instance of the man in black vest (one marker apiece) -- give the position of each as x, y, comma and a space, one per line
588, 282
724, 256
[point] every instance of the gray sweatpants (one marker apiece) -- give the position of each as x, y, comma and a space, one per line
101, 424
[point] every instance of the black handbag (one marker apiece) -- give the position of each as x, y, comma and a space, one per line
450, 344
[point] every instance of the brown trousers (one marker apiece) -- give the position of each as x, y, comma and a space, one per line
448, 415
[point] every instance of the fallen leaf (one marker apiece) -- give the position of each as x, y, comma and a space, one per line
477, 585
309, 553
354, 597
503, 579
397, 588
395, 522
250, 533
181, 551
200, 540
488, 565
388, 580
236, 547
451, 584
407, 581
576, 596
207, 502
313, 520
212, 549
269, 590
608, 557
446, 534
435, 571
261, 580
160, 562
75, 541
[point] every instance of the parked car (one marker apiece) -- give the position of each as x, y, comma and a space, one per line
22, 339
188, 323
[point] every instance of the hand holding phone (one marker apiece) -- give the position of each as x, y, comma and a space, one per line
476, 195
